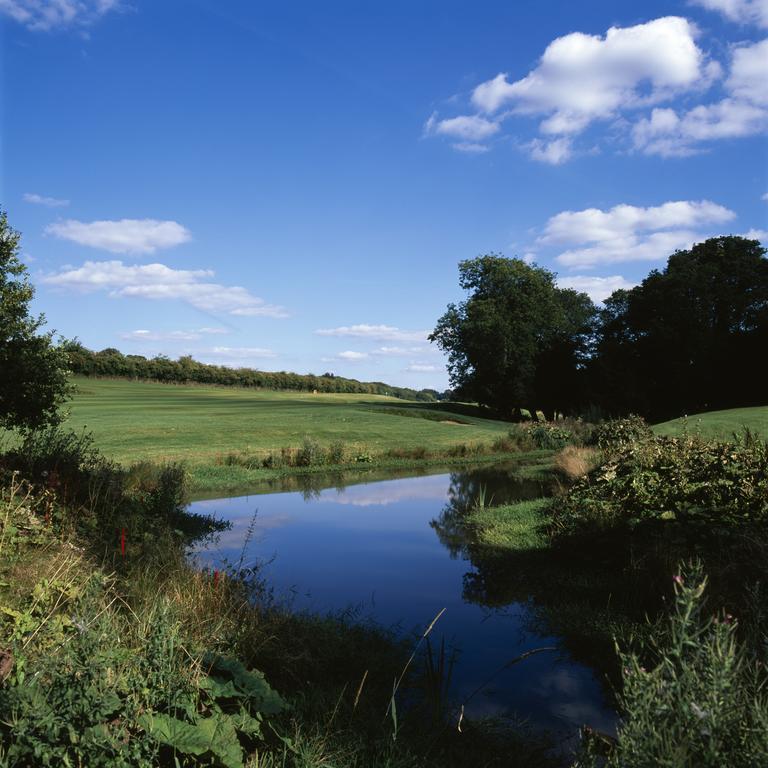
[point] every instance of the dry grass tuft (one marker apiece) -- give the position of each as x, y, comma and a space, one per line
574, 462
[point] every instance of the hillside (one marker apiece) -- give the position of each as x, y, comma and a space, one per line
722, 424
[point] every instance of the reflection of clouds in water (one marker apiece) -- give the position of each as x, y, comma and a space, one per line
384, 494
571, 698
233, 538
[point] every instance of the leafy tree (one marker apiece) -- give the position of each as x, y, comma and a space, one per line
692, 337
33, 371
518, 341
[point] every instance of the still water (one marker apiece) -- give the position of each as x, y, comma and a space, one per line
393, 550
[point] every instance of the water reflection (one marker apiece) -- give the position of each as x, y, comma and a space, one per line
373, 545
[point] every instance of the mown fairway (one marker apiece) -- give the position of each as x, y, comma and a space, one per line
719, 424
140, 420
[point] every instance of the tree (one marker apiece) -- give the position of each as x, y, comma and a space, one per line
518, 341
33, 371
691, 337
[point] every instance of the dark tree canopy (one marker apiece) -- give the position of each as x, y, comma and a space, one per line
33, 371
692, 337
518, 341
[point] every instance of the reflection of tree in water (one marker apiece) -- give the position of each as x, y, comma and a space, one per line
578, 593
493, 486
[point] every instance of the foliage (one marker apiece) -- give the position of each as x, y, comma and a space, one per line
113, 363
689, 338
33, 371
703, 701
690, 480
517, 339
617, 433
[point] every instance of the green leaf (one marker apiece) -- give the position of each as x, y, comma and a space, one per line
215, 734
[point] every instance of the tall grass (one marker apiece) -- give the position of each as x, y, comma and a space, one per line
695, 696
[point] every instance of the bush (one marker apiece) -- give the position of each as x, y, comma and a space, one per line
336, 452
701, 483
620, 432
703, 702
310, 453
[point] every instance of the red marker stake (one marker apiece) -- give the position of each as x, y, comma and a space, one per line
122, 542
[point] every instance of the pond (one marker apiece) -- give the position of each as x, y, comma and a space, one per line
393, 550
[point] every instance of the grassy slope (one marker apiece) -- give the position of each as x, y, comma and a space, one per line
719, 424
131, 421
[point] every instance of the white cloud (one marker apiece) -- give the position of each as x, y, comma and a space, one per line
748, 80
740, 11
757, 234
123, 236
743, 112
581, 78
553, 152
400, 351
144, 335
239, 353
467, 127
349, 356
765, 197
50, 202
157, 281
48, 15
631, 233
422, 368
374, 332
597, 288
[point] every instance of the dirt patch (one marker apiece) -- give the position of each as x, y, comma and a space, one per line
455, 423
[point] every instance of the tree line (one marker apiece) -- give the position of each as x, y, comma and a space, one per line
691, 337
111, 362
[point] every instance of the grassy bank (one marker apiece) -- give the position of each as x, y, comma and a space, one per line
718, 424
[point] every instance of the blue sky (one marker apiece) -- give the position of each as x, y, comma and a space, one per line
291, 185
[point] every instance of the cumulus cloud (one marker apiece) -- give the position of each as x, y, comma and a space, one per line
740, 11
374, 332
196, 335
757, 234
581, 78
123, 236
553, 152
422, 368
157, 281
597, 288
50, 202
743, 112
630, 233
50, 15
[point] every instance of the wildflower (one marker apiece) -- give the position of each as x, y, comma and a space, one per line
678, 580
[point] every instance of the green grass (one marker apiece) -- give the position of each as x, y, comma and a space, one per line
511, 527
719, 424
201, 425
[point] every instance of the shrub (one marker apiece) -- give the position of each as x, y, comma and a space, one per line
336, 452
703, 702
620, 432
310, 453
689, 480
